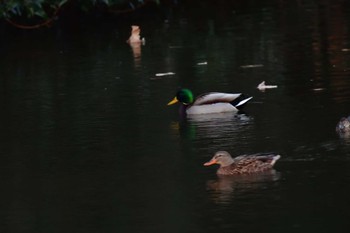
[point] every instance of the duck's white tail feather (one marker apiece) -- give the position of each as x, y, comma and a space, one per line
242, 102
274, 160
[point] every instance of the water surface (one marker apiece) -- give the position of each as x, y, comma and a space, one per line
89, 145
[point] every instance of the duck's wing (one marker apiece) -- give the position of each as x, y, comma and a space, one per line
245, 160
260, 158
216, 97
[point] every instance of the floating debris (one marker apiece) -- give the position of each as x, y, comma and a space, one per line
318, 89
135, 42
135, 35
343, 125
202, 63
164, 74
345, 50
252, 66
262, 86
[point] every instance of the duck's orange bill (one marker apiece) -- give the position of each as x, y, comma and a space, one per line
211, 162
173, 101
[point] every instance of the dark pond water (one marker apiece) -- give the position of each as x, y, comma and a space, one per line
89, 145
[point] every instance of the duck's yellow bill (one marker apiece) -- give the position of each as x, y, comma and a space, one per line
173, 101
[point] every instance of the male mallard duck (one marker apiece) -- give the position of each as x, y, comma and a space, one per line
213, 102
343, 125
243, 164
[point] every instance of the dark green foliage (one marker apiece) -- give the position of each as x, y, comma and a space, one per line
46, 9
29, 8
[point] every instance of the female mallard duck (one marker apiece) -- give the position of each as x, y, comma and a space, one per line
213, 102
343, 125
244, 164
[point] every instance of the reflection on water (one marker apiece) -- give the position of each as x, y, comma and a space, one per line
215, 118
221, 129
223, 132
225, 189
344, 137
218, 125
136, 51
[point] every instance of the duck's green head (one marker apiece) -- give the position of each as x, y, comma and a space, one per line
184, 96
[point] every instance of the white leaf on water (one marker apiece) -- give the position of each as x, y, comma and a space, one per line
165, 74
252, 66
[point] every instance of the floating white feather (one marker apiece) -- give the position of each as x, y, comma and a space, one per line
262, 86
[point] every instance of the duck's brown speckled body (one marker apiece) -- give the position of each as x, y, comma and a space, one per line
244, 164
